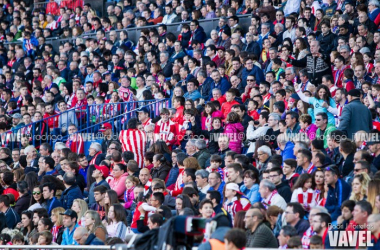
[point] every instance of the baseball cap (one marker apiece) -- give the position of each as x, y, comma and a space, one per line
17, 116
104, 169
144, 110
105, 127
295, 96
233, 186
354, 93
70, 213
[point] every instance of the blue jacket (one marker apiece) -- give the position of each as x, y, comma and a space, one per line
374, 14
200, 35
256, 71
223, 85
12, 218
252, 194
336, 196
287, 153
33, 41
220, 189
193, 95
51, 204
69, 195
93, 240
173, 175
68, 237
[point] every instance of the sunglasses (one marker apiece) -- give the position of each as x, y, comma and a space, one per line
34, 193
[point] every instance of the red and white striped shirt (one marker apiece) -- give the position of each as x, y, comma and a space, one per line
76, 144
134, 140
165, 131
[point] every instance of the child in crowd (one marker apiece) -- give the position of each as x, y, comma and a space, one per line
18, 239
302, 192
316, 242
206, 209
130, 184
252, 109
216, 162
232, 202
45, 238
141, 201
234, 130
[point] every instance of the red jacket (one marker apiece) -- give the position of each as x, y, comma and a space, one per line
226, 108
53, 121
52, 8
178, 117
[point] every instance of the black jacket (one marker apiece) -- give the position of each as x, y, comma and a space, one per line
326, 42
160, 172
22, 203
284, 190
316, 67
168, 69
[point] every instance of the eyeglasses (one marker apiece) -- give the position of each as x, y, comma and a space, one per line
34, 193
318, 120
251, 80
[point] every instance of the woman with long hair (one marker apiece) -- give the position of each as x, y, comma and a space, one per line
117, 223
318, 19
302, 191
110, 197
160, 147
94, 224
357, 59
322, 96
300, 49
212, 132
58, 228
80, 207
373, 193
161, 167
26, 225
360, 187
207, 115
319, 187
239, 220
37, 200
182, 201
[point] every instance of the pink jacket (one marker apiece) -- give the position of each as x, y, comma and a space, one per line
217, 113
310, 131
235, 131
129, 196
119, 185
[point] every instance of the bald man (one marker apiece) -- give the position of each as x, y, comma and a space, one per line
258, 234
83, 237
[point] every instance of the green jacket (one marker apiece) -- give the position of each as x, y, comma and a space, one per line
328, 130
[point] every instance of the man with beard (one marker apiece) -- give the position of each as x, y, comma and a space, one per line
341, 101
321, 225
264, 92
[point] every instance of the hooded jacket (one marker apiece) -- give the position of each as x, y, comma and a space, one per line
235, 132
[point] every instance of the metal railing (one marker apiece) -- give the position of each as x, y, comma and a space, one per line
87, 118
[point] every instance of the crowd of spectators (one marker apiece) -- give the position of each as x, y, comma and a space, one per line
269, 132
